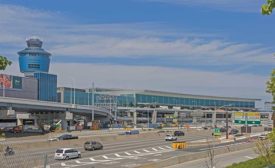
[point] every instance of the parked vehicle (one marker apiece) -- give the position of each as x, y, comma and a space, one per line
179, 133
66, 153
92, 145
132, 132
263, 137
233, 131
63, 137
17, 129
170, 138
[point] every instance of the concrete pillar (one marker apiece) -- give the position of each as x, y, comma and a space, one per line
135, 119
129, 114
154, 117
214, 118
194, 119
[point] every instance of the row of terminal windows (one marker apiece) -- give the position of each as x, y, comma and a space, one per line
132, 100
35, 66
165, 100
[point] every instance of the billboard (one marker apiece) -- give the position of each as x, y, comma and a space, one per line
5, 81
16, 82
247, 118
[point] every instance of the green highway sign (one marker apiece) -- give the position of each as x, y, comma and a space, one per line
239, 121
255, 122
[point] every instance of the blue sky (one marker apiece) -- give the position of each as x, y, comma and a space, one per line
214, 47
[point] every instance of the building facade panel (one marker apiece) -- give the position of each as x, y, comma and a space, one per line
47, 86
22, 87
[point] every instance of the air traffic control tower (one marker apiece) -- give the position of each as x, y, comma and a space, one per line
34, 58
34, 62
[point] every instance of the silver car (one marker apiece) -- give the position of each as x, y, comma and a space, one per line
66, 153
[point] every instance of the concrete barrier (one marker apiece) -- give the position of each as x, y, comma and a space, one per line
195, 156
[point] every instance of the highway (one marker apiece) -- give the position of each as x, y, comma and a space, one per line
122, 153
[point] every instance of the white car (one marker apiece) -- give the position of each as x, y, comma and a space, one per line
263, 137
170, 138
66, 153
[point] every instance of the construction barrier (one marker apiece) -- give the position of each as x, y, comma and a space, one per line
179, 145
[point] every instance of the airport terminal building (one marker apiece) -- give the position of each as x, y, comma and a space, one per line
154, 107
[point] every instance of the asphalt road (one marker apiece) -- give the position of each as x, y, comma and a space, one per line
118, 154
221, 161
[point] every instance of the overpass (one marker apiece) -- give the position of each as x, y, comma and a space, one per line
28, 105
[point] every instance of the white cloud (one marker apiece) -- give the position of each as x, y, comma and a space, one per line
137, 40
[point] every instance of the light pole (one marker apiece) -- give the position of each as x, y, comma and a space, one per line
74, 90
226, 120
148, 119
93, 102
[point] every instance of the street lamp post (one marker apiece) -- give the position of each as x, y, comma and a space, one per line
93, 102
226, 122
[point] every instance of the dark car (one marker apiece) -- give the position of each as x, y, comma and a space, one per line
92, 145
234, 131
132, 132
179, 133
63, 137
67, 136
223, 129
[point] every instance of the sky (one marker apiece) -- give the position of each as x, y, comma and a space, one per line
205, 47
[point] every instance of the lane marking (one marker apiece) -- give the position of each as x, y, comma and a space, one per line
161, 148
127, 153
105, 157
93, 160
145, 150
169, 147
249, 157
154, 149
137, 152
117, 155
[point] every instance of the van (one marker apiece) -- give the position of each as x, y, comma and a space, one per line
66, 153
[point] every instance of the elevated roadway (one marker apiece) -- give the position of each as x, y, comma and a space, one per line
28, 105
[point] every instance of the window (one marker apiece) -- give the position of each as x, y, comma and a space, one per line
35, 66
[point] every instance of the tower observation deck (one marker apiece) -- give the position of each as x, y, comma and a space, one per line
34, 58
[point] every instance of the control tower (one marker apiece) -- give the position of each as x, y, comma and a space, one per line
34, 58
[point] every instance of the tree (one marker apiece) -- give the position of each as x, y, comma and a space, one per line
268, 7
4, 62
270, 84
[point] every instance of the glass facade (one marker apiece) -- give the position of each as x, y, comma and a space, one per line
185, 101
139, 99
47, 86
84, 98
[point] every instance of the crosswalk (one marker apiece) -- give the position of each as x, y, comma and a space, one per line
115, 157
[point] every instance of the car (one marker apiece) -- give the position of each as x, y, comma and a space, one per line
263, 137
92, 145
179, 133
223, 129
132, 132
233, 131
66, 154
63, 137
170, 138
